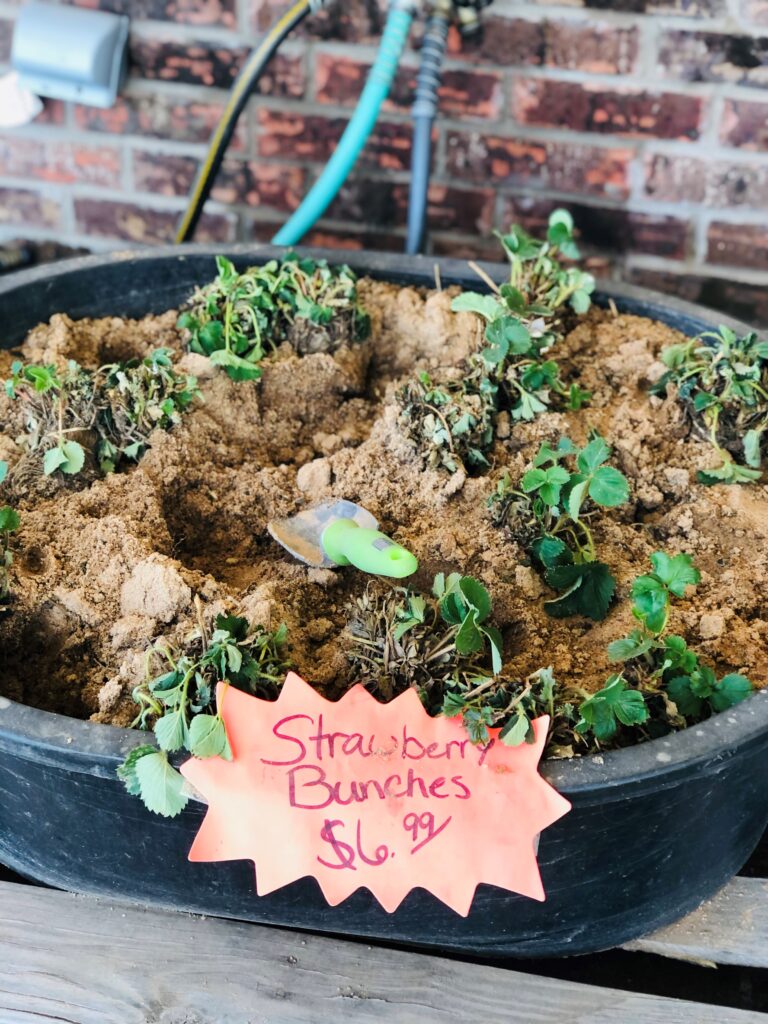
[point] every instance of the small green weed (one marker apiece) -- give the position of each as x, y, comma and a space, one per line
58, 407
523, 319
138, 397
661, 664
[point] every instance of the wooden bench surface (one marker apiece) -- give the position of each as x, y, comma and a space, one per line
80, 960
731, 928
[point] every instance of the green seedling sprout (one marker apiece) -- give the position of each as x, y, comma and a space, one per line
399, 638
663, 662
56, 405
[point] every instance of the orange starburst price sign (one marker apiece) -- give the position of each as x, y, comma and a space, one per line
358, 793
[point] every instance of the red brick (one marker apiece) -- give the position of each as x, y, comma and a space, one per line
504, 41
160, 117
164, 174
340, 80
62, 162
189, 12
604, 229
246, 183
21, 206
455, 209
205, 63
595, 47
745, 124
713, 183
53, 112
310, 137
690, 8
133, 223
465, 247
742, 245
559, 166
346, 22
590, 107
748, 302
714, 57
383, 203
331, 237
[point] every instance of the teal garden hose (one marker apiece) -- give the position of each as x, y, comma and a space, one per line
356, 134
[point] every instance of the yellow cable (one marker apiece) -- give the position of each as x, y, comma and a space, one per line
243, 82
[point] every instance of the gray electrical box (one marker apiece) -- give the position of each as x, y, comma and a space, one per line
70, 53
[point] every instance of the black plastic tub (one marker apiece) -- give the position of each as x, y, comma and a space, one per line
654, 829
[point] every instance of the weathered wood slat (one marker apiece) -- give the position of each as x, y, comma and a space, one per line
84, 961
731, 928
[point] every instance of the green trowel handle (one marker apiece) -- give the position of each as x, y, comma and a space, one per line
346, 543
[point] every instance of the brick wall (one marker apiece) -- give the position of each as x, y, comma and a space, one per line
648, 118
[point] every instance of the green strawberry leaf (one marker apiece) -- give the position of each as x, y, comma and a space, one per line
160, 785
588, 589
730, 690
127, 770
476, 596
608, 487
676, 572
688, 703
208, 737
515, 731
593, 456
473, 302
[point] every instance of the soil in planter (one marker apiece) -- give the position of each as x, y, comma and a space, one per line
105, 567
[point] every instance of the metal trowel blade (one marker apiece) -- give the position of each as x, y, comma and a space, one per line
300, 534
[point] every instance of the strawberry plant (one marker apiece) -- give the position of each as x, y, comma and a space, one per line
661, 664
450, 423
603, 713
721, 380
137, 397
523, 319
59, 408
512, 705
9, 523
179, 702
550, 514
663, 684
239, 317
108, 414
400, 638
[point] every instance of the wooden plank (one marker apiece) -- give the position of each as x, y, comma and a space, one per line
731, 928
85, 961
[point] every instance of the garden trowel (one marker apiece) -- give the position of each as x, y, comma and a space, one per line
342, 533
